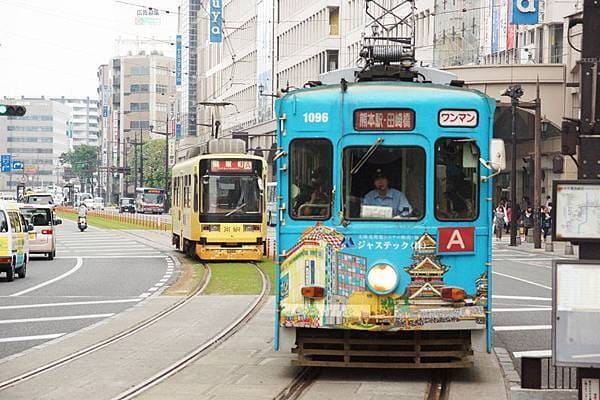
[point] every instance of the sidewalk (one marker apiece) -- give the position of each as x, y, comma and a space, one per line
557, 251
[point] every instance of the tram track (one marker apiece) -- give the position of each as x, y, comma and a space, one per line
204, 348
438, 387
299, 385
112, 339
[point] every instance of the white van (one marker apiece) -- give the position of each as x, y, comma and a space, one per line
14, 242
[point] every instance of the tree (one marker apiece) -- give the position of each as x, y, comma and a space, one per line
84, 161
154, 163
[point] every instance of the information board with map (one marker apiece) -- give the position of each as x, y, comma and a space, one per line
576, 210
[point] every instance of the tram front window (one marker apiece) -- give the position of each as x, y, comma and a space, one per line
384, 182
456, 180
231, 195
310, 178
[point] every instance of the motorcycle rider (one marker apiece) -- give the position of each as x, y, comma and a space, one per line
83, 211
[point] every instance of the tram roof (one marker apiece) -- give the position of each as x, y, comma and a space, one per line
422, 92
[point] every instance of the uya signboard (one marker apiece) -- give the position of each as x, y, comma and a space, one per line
216, 21
525, 12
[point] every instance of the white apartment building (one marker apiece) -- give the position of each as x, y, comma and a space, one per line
271, 45
136, 94
84, 127
37, 139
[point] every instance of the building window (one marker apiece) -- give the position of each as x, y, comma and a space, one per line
139, 125
332, 60
334, 21
162, 107
556, 43
138, 107
29, 128
161, 88
140, 70
139, 88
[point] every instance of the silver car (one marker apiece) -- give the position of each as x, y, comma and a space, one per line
42, 240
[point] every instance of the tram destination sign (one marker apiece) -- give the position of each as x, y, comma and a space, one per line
230, 166
397, 119
576, 210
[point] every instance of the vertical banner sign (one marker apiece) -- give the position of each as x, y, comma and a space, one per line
502, 25
495, 25
178, 61
178, 130
525, 12
485, 40
510, 29
216, 21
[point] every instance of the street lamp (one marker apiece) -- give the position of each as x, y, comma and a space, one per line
514, 92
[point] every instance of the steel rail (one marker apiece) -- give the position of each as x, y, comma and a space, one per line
206, 347
299, 385
439, 386
113, 339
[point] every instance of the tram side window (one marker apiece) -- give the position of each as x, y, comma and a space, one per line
384, 182
456, 180
310, 179
195, 192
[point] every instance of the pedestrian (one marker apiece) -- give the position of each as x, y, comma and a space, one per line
499, 221
527, 220
546, 221
508, 216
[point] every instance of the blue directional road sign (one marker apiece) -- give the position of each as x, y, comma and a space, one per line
17, 165
5, 162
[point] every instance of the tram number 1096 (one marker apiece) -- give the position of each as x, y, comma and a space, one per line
315, 117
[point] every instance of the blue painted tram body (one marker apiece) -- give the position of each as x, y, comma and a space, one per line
380, 275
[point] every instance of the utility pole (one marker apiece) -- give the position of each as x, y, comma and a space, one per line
514, 92
166, 133
537, 170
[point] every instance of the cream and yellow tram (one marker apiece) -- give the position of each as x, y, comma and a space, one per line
219, 208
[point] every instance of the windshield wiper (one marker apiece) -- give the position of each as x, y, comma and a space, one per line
238, 208
366, 157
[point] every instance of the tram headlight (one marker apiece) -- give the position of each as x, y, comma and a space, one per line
382, 278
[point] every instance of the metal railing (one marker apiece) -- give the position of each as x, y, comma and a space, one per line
539, 373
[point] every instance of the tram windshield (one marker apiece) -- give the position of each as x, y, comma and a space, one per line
231, 195
388, 183
456, 179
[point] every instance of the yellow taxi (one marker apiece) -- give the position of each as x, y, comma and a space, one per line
14, 241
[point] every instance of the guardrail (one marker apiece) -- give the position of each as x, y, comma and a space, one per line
539, 373
139, 220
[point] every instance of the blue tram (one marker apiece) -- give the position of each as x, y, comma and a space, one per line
384, 247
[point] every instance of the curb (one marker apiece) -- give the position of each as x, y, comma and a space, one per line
512, 380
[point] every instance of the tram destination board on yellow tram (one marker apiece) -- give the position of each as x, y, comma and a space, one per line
576, 210
576, 304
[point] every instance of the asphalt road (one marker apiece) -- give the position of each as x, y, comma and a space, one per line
96, 274
522, 300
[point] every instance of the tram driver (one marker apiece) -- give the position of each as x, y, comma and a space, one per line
385, 196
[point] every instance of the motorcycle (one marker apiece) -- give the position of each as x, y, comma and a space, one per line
82, 223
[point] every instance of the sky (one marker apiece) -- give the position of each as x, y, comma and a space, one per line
54, 47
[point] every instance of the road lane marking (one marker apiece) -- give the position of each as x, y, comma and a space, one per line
522, 309
29, 338
523, 328
532, 353
521, 280
58, 278
153, 289
72, 303
48, 319
498, 296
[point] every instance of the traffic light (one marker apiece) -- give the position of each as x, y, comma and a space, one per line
11, 111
